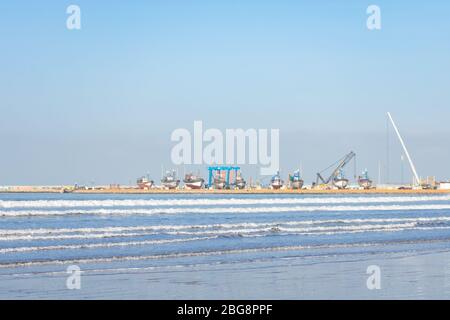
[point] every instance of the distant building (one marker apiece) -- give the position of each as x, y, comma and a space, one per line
444, 185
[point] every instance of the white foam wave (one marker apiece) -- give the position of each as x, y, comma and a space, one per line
302, 230
159, 228
29, 237
308, 226
192, 254
131, 231
213, 210
101, 245
164, 256
10, 204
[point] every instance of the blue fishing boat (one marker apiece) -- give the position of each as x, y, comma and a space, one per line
295, 180
276, 182
340, 181
364, 180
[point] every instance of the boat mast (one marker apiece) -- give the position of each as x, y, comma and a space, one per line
411, 164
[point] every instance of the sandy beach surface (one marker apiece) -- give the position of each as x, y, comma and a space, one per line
403, 276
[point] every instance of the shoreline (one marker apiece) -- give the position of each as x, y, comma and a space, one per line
207, 191
326, 277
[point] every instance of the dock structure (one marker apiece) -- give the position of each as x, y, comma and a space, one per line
443, 190
219, 169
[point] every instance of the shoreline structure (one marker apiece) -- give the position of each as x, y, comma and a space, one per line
130, 190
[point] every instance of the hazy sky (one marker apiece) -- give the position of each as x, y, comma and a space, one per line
99, 104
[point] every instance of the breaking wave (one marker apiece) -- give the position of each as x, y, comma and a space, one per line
18, 213
159, 228
8, 204
202, 253
100, 245
85, 231
316, 227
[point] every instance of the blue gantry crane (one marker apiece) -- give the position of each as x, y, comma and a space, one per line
219, 169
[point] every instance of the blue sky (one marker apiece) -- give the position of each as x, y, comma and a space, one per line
99, 104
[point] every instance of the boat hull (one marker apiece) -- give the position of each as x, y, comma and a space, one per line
240, 185
297, 184
219, 185
171, 185
277, 185
365, 183
340, 183
145, 185
193, 184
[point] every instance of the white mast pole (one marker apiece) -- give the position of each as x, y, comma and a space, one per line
413, 168
379, 172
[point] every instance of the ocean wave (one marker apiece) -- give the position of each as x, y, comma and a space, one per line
131, 231
303, 230
11, 204
225, 210
204, 253
29, 237
243, 230
100, 245
159, 256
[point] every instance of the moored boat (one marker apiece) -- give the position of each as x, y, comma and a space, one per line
364, 180
144, 183
219, 182
170, 180
295, 180
340, 181
276, 182
240, 182
192, 181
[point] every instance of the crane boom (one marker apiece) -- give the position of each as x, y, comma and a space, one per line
411, 164
342, 163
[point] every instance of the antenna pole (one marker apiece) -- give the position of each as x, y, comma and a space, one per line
413, 168
379, 172
387, 152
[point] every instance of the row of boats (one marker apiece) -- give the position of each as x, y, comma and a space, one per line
339, 181
170, 181
192, 181
295, 181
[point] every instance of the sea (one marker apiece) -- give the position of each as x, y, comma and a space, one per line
224, 246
